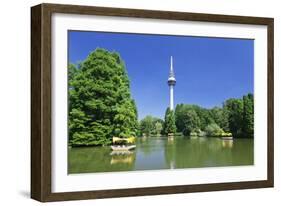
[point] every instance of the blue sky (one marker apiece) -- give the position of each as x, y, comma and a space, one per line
208, 70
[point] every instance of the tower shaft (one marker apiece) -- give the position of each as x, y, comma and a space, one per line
171, 97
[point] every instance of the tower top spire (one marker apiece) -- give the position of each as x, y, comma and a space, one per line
171, 68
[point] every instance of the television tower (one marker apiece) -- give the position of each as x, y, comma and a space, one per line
171, 83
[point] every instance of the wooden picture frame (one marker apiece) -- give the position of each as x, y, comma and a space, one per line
41, 116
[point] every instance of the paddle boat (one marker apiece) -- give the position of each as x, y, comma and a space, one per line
123, 144
122, 147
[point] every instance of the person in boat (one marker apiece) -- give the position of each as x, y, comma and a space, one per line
129, 140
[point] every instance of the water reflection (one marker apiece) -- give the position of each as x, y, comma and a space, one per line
154, 153
122, 157
227, 143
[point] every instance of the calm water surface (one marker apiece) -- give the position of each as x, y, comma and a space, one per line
154, 153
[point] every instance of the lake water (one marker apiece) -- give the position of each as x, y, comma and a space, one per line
154, 153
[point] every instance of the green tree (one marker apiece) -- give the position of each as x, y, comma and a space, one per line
179, 113
125, 120
213, 130
220, 117
151, 126
203, 114
248, 116
146, 125
191, 122
100, 103
158, 128
235, 116
72, 71
155, 130
170, 124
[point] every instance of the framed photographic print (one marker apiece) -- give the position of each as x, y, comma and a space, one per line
130, 102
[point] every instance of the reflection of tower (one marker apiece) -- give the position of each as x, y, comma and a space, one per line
171, 83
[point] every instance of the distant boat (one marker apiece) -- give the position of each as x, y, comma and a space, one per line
227, 138
122, 147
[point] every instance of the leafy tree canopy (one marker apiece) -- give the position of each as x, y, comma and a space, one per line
170, 124
100, 103
236, 117
151, 126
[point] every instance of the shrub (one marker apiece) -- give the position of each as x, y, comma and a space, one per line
202, 134
213, 130
193, 134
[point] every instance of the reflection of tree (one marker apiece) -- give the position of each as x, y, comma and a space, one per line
170, 153
227, 143
199, 152
146, 144
215, 145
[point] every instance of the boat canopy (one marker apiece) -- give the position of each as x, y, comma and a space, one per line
129, 140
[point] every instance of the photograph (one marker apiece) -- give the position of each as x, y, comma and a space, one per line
133, 102
141, 102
